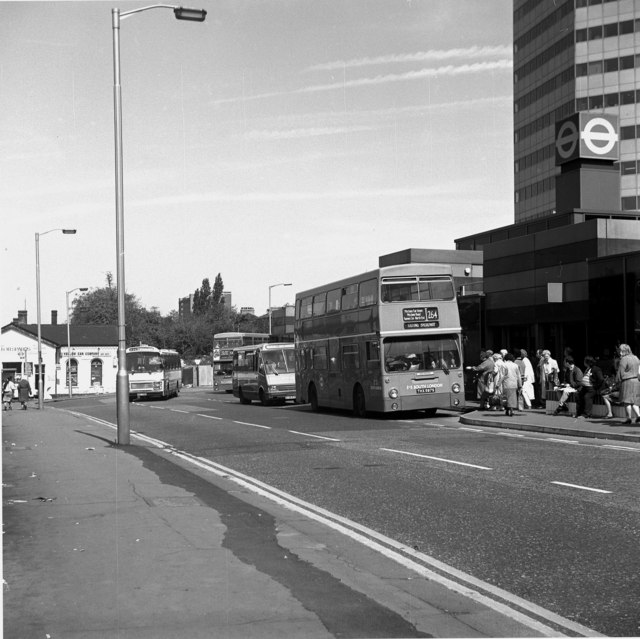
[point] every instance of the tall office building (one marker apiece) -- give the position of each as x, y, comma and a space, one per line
570, 56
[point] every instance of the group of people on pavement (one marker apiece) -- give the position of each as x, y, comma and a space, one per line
509, 380
9, 388
505, 379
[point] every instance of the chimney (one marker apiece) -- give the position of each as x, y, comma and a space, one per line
22, 317
54, 317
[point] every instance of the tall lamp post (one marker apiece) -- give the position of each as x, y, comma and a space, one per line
273, 286
122, 377
69, 341
39, 371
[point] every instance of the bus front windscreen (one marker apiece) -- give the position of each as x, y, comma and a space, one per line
144, 363
279, 361
421, 353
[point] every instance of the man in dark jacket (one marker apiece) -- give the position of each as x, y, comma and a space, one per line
572, 382
592, 382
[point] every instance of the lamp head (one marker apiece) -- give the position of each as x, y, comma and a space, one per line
69, 231
195, 15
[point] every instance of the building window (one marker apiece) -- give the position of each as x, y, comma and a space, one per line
96, 372
627, 97
595, 67
596, 102
611, 30
73, 365
628, 168
611, 99
629, 203
627, 62
610, 64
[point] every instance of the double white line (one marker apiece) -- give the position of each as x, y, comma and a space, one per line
511, 606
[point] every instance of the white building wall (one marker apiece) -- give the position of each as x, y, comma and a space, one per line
16, 347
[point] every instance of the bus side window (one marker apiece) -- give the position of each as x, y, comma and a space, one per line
334, 361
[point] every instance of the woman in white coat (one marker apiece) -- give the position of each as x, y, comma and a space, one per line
528, 380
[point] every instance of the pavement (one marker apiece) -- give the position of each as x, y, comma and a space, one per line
104, 541
543, 421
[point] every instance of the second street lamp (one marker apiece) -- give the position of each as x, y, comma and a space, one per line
69, 342
39, 367
122, 376
270, 287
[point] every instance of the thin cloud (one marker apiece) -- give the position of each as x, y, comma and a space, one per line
294, 134
449, 71
297, 196
445, 71
419, 56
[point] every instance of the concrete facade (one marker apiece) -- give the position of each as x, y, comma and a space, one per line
93, 356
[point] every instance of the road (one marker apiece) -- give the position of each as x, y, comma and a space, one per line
551, 520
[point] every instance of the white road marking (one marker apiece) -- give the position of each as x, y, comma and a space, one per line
157, 407
448, 461
510, 435
635, 450
330, 439
256, 425
595, 490
473, 430
209, 416
561, 441
177, 410
499, 600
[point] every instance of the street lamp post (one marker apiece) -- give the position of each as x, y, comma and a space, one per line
39, 370
122, 377
273, 286
69, 341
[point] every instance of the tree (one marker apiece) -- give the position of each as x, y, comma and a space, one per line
218, 290
202, 298
100, 306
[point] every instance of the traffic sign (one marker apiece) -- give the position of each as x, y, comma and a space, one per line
588, 136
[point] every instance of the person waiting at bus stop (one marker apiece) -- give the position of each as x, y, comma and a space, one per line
485, 372
572, 383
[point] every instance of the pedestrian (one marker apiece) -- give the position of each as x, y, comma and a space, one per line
592, 382
511, 383
572, 380
8, 389
528, 379
485, 377
549, 373
627, 376
498, 377
24, 392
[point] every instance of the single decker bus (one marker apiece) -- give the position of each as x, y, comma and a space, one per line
223, 345
153, 372
265, 372
386, 340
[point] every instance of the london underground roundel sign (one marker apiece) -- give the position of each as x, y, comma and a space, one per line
587, 135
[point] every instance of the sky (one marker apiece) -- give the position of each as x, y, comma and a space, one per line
280, 141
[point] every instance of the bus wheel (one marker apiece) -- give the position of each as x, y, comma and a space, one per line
359, 408
263, 399
430, 412
313, 398
242, 398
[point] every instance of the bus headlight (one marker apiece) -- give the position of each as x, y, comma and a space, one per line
158, 386
455, 388
394, 406
393, 393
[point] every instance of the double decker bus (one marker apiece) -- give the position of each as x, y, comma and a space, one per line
265, 372
386, 340
223, 345
153, 372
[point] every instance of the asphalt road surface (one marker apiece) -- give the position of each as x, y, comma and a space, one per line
554, 521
